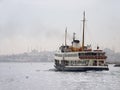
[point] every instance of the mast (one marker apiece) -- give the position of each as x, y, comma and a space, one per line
83, 30
66, 36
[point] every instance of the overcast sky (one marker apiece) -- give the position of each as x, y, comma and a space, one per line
40, 24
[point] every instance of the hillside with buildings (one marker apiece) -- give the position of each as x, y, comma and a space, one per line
33, 56
113, 57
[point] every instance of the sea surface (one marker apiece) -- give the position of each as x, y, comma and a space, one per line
42, 76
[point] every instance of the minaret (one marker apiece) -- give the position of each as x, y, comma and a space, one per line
83, 30
73, 36
66, 36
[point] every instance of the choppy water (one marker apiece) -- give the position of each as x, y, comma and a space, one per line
41, 76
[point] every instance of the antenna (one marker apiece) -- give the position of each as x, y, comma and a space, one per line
83, 30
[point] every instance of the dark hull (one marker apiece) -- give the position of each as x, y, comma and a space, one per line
64, 68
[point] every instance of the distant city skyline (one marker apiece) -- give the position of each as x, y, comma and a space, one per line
40, 24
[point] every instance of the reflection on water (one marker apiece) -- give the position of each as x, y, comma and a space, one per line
37, 76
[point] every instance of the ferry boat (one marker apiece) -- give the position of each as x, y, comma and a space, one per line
79, 58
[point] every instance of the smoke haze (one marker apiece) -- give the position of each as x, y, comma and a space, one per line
40, 24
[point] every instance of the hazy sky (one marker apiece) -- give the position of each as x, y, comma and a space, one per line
40, 24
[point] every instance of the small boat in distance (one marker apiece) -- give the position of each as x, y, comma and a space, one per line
79, 58
117, 65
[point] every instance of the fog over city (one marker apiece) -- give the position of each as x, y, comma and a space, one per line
40, 24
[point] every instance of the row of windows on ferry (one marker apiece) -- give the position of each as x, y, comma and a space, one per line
66, 55
84, 62
91, 54
80, 54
